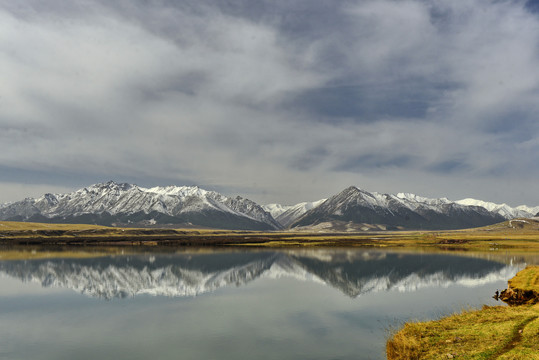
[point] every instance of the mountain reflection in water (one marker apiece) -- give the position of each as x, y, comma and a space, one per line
188, 274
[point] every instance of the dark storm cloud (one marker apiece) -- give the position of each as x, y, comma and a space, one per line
514, 125
369, 102
298, 98
449, 167
533, 6
311, 158
369, 162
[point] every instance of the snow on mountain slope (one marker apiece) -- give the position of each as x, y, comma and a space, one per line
276, 209
413, 201
293, 212
529, 209
187, 203
397, 211
120, 203
504, 210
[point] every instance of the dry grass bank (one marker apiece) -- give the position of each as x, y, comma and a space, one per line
526, 280
498, 332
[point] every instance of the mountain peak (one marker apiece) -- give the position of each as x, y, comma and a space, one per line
112, 203
112, 185
401, 211
172, 190
349, 192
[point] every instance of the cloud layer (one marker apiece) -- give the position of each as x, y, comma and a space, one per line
279, 101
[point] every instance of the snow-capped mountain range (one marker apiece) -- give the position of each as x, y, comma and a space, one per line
403, 211
111, 202
503, 209
352, 273
124, 204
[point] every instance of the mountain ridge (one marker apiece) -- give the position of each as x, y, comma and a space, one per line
112, 203
401, 211
353, 209
286, 215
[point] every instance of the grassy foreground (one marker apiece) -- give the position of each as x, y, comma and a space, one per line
497, 332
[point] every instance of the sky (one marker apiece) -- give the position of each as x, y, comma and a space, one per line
277, 101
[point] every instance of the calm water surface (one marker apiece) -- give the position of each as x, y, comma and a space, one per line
319, 304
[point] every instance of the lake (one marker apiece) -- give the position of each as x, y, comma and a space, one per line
214, 304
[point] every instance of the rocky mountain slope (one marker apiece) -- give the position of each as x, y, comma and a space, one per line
286, 215
113, 203
504, 210
179, 206
401, 211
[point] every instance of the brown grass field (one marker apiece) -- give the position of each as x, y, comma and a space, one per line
510, 235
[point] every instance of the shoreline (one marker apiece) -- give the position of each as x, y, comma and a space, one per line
504, 332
